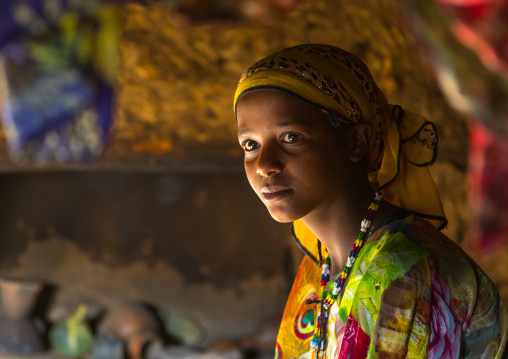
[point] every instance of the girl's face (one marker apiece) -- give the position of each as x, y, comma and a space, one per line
294, 160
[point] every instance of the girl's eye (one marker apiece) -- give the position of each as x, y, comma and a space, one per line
292, 137
249, 145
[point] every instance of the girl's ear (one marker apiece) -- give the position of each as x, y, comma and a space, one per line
358, 139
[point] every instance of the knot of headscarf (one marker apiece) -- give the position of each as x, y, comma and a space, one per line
402, 144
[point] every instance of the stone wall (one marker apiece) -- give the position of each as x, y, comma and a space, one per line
177, 82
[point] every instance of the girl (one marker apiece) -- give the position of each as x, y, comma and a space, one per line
324, 150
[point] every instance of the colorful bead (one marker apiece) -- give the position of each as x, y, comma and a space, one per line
314, 343
329, 298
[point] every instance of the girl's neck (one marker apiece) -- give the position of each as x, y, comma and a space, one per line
337, 225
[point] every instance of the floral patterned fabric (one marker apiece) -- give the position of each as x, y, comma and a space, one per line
412, 293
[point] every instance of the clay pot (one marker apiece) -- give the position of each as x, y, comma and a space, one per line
18, 297
134, 325
19, 333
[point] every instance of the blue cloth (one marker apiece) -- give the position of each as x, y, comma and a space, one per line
56, 82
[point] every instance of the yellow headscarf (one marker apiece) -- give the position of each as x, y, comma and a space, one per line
403, 144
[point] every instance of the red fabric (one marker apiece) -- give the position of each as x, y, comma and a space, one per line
481, 25
488, 178
355, 343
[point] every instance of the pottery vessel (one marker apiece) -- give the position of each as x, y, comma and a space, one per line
133, 325
19, 332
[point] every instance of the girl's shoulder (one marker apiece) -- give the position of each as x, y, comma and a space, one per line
415, 238
411, 252
410, 275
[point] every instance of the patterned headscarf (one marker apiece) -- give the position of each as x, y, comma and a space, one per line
403, 144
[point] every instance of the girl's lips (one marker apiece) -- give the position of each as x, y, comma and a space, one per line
277, 195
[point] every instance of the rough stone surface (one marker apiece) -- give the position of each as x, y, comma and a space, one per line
176, 84
451, 184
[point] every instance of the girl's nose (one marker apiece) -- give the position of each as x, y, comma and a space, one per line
269, 162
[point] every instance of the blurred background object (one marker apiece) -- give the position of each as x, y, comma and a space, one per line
20, 332
58, 69
465, 43
199, 12
72, 337
134, 325
184, 327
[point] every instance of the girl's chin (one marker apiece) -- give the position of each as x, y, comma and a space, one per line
283, 220
283, 217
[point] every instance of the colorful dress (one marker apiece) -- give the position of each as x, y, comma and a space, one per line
412, 293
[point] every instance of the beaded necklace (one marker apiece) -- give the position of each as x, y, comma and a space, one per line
319, 339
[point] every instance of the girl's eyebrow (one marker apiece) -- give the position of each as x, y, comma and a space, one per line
244, 131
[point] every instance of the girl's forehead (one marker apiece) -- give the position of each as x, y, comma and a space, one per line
271, 110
